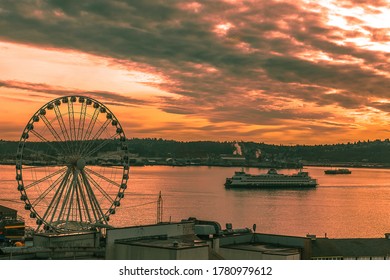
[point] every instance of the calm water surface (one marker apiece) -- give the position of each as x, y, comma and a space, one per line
355, 205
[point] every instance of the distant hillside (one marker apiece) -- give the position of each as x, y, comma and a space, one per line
359, 153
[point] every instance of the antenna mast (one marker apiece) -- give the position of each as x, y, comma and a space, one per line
159, 208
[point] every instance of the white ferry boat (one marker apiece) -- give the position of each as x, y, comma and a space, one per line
270, 180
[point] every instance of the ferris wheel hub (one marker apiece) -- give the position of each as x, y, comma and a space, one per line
80, 164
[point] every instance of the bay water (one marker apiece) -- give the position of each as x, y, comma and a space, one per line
342, 206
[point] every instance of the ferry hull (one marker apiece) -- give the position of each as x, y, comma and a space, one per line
337, 171
270, 185
270, 180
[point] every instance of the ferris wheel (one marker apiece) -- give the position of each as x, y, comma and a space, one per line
72, 165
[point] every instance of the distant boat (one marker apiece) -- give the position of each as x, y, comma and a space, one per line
338, 171
272, 179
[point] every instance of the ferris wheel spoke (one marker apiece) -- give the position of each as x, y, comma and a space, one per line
42, 154
64, 130
86, 137
60, 119
98, 213
53, 205
72, 125
91, 125
98, 187
83, 114
103, 177
43, 139
55, 134
45, 178
97, 135
71, 120
100, 146
49, 189
32, 167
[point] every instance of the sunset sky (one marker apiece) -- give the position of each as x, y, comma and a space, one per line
279, 72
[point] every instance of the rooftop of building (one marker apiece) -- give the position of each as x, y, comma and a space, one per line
149, 225
6, 209
163, 241
350, 247
268, 249
64, 234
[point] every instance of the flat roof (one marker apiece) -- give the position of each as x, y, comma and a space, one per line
350, 247
4, 208
175, 242
264, 248
64, 234
150, 225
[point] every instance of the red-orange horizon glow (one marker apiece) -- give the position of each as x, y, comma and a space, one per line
278, 72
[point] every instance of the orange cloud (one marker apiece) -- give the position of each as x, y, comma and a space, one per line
270, 71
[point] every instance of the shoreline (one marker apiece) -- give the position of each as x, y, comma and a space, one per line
338, 165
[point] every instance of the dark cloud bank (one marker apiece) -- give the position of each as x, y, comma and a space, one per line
216, 75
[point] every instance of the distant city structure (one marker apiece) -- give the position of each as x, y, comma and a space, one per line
174, 153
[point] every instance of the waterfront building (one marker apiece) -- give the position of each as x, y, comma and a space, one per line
193, 239
170, 241
201, 240
7, 213
351, 248
12, 227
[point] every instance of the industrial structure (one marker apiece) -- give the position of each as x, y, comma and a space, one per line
12, 227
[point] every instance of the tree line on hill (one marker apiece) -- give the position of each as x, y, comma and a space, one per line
377, 151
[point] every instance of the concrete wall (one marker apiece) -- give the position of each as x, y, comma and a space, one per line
289, 241
303, 243
281, 257
130, 252
238, 254
234, 254
196, 253
174, 229
136, 252
234, 239
64, 246
84, 240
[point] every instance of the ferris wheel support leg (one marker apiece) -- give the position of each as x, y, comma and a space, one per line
84, 201
78, 200
56, 199
67, 201
97, 209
